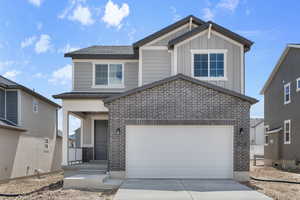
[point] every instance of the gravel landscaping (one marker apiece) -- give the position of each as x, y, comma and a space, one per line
278, 191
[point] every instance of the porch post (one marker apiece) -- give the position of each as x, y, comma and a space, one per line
65, 145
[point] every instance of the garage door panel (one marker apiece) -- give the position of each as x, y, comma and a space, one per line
179, 152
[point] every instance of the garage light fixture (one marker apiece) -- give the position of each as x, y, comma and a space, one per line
118, 131
241, 131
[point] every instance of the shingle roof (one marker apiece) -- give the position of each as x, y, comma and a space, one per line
183, 77
84, 95
247, 43
8, 84
104, 52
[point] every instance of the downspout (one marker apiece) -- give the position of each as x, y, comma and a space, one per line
209, 31
190, 23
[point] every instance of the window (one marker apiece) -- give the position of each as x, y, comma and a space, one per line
108, 75
287, 132
35, 106
266, 135
298, 84
2, 103
287, 93
209, 64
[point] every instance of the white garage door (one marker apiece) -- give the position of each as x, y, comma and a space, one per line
179, 151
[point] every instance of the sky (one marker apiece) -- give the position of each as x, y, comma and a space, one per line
35, 34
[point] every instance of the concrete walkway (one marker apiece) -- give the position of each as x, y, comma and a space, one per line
150, 189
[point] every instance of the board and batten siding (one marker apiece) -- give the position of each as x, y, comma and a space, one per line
234, 77
83, 77
156, 65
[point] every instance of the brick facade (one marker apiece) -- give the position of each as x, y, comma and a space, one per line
179, 102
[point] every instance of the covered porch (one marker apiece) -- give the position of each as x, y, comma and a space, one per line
89, 149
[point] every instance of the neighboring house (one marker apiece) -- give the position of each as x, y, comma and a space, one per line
282, 114
28, 132
171, 105
257, 137
74, 140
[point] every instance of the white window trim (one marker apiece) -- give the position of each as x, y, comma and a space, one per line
209, 51
109, 85
266, 134
284, 131
285, 86
297, 88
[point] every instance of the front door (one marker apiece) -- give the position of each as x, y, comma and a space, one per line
100, 139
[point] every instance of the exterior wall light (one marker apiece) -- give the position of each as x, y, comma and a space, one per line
118, 131
241, 131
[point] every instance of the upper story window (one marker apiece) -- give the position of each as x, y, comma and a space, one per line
35, 106
9, 105
298, 84
209, 64
287, 93
109, 75
287, 132
266, 135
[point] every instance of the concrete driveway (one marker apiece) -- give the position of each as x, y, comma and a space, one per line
156, 189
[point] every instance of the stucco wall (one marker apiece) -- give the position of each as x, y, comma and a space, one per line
179, 101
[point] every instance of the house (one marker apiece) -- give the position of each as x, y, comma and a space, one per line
171, 105
74, 139
28, 132
282, 117
257, 137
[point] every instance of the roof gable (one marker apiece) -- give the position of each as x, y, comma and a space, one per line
277, 66
186, 78
168, 29
237, 38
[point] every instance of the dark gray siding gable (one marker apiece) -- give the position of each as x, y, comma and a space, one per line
12, 106
2, 103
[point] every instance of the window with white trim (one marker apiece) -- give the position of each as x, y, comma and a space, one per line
209, 64
287, 132
266, 135
35, 106
108, 75
287, 93
298, 84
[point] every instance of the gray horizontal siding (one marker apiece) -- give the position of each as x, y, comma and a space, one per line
83, 77
2, 103
12, 106
156, 65
184, 58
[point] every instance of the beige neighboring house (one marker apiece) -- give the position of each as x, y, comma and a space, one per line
257, 137
29, 142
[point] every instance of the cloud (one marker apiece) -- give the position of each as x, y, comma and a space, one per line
43, 44
39, 26
10, 63
67, 48
83, 15
176, 16
75, 11
228, 4
62, 76
11, 74
28, 42
248, 11
39, 75
114, 14
36, 3
208, 14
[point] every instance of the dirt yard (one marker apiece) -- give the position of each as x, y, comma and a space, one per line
22, 186
278, 191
